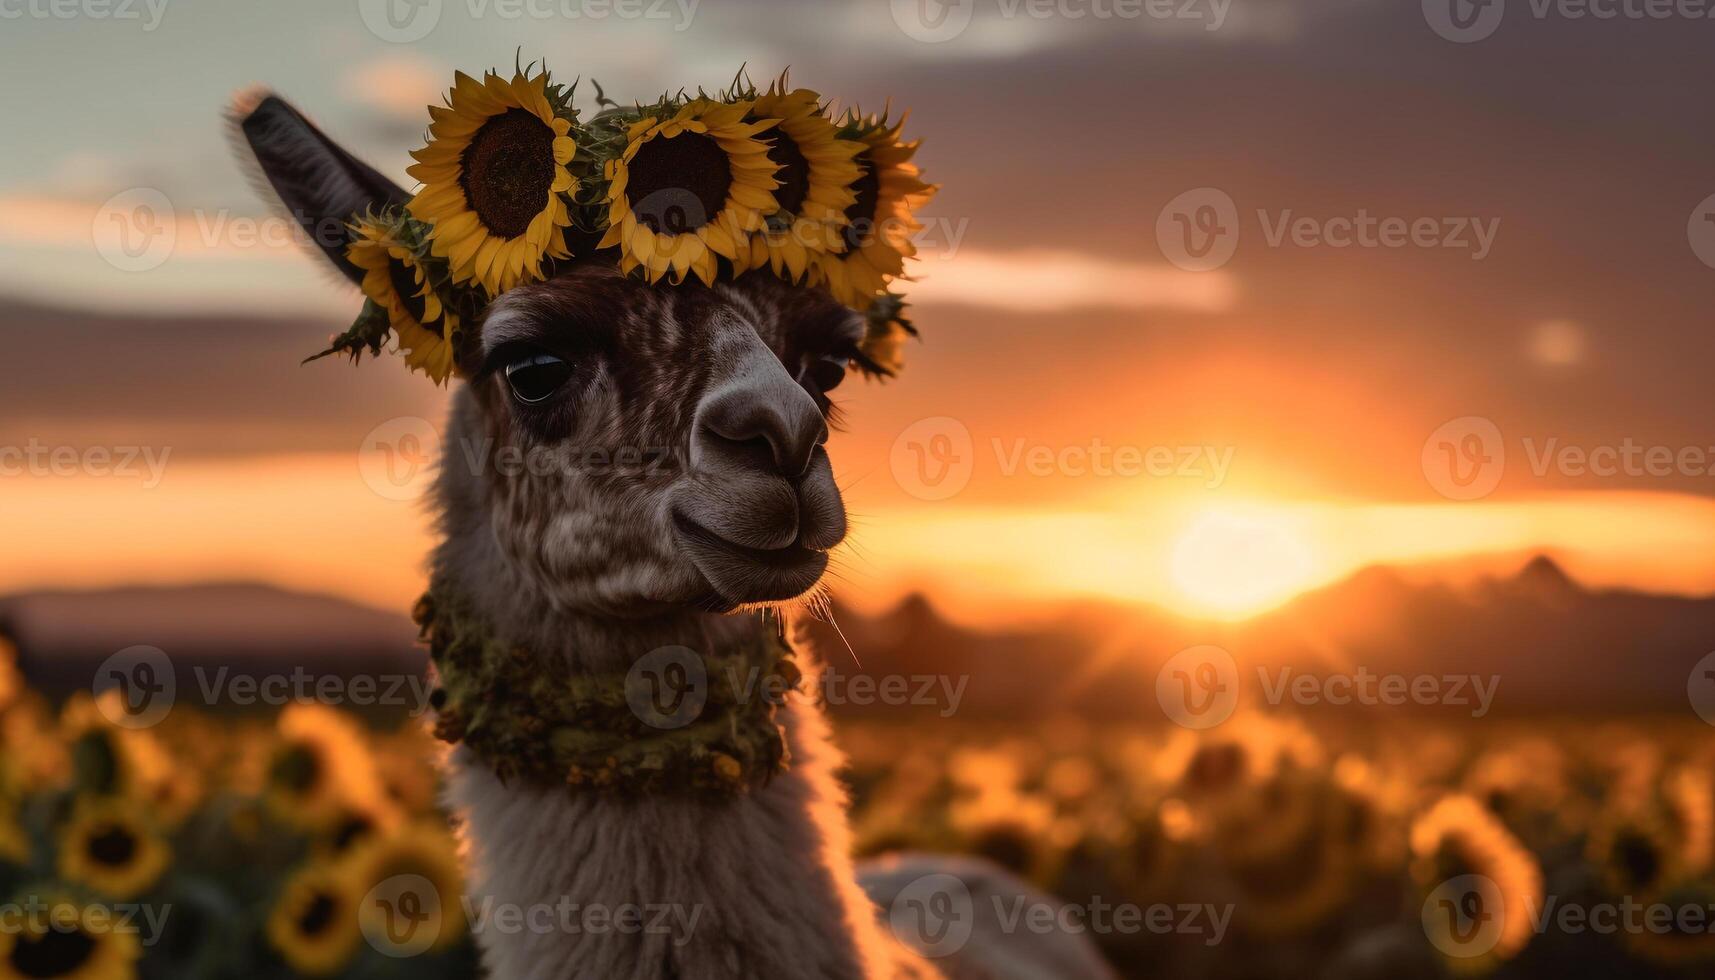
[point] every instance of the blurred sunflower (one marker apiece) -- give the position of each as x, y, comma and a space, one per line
1369, 815
407, 776
1688, 794
394, 279
1014, 830
107, 760
107, 846
15, 845
817, 174
689, 189
320, 767
1457, 838
1287, 893
419, 852
1525, 785
879, 222
11, 682
1282, 814
68, 941
36, 757
1634, 849
493, 174
313, 925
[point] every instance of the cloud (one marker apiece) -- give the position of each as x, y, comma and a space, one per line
1041, 281
399, 86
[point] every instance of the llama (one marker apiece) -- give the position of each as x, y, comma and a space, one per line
584, 568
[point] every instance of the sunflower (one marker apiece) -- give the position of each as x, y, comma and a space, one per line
109, 848
68, 941
1014, 830
15, 845
1635, 849
320, 769
395, 280
1457, 838
817, 174
423, 858
493, 175
879, 221
1292, 891
112, 761
688, 188
314, 922
11, 682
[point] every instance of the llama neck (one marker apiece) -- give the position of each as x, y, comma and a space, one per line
667, 884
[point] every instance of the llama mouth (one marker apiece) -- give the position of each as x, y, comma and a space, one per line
741, 574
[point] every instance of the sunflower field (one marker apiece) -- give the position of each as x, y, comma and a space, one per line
255, 846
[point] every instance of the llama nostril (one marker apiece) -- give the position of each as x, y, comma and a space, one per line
784, 432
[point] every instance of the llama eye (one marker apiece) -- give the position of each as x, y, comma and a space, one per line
828, 372
534, 378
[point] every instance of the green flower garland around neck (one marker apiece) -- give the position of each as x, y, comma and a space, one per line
605, 732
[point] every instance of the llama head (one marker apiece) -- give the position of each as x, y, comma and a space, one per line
623, 447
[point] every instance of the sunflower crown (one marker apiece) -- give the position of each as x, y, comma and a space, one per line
704, 186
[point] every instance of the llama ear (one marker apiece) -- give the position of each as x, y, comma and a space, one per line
319, 185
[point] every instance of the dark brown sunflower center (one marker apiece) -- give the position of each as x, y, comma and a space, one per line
113, 845
1008, 846
794, 172
861, 216
405, 284
351, 829
1216, 766
52, 953
507, 172
297, 769
678, 184
1638, 859
318, 915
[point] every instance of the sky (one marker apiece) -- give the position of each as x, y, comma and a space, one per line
1221, 299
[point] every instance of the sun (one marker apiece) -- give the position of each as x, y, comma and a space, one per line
1233, 564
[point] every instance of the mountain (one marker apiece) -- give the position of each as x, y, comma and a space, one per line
1541, 640
62, 636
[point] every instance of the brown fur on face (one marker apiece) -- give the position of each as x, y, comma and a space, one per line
644, 481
